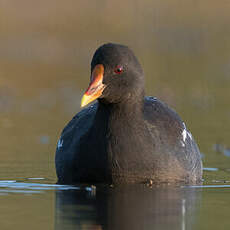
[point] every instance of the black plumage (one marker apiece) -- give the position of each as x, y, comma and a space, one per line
125, 137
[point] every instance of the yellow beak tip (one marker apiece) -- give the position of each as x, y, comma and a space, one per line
85, 100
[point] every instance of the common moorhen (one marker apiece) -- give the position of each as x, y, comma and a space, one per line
125, 137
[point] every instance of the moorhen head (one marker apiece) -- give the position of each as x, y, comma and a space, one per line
116, 76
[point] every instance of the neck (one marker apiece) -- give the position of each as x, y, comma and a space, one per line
123, 120
124, 117
131, 107
126, 110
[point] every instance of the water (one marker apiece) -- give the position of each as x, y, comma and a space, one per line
45, 53
38, 205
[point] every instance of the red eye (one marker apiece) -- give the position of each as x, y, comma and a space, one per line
119, 69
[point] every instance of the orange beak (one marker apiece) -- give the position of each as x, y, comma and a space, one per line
96, 86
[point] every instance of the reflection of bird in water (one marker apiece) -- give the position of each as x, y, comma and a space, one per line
125, 137
127, 207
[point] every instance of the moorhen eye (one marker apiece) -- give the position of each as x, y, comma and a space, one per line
118, 69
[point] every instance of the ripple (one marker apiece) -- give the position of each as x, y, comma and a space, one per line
36, 178
208, 186
12, 186
210, 169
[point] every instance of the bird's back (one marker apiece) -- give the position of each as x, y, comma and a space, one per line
173, 141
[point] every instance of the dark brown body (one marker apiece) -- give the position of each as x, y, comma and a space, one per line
109, 144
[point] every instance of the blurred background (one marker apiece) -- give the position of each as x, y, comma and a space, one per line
45, 53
